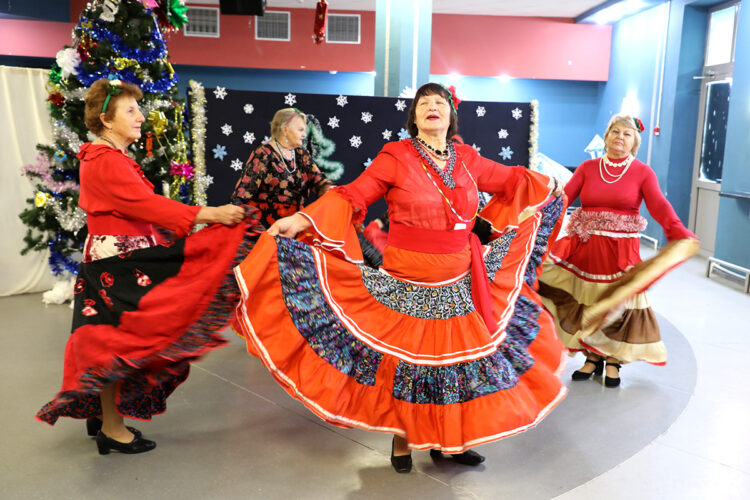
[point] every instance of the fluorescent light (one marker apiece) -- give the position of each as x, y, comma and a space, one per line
504, 78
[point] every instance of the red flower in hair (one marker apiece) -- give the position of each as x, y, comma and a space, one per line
638, 125
454, 97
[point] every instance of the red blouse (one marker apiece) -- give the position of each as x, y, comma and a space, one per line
119, 200
413, 199
638, 184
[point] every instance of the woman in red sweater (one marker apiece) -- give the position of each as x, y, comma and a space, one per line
142, 310
601, 246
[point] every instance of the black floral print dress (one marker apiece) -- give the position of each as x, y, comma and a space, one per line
274, 187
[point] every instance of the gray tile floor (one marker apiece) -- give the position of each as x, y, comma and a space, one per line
680, 431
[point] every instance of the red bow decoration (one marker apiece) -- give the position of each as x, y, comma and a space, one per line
57, 99
638, 125
321, 17
454, 97
184, 169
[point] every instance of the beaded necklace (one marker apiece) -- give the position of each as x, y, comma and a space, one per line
446, 174
445, 198
603, 168
441, 154
284, 158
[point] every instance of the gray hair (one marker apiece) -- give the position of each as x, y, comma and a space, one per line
282, 118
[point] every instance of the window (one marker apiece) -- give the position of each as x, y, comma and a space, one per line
202, 21
342, 28
721, 36
273, 25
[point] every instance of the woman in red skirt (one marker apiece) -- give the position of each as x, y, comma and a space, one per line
142, 310
601, 248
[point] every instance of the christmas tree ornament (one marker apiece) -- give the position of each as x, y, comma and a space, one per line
68, 61
149, 144
321, 19
40, 199
158, 121
109, 9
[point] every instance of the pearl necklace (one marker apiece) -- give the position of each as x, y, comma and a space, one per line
604, 161
284, 159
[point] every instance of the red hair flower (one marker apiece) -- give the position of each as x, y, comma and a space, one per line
638, 125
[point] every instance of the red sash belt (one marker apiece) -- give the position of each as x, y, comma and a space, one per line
424, 240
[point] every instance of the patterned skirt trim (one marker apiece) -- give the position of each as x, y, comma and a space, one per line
115, 338
363, 349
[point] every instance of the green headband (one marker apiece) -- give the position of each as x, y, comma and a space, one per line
113, 89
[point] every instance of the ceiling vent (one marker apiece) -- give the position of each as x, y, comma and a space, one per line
343, 28
274, 25
202, 21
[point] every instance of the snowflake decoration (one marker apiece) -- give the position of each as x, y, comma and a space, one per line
403, 134
400, 105
290, 99
236, 164
355, 141
333, 122
408, 92
366, 117
481, 111
249, 137
219, 152
517, 113
209, 179
476, 147
249, 108
387, 134
341, 101
506, 153
226, 129
266, 138
220, 92
368, 162
502, 133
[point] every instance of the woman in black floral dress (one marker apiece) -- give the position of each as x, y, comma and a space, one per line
280, 175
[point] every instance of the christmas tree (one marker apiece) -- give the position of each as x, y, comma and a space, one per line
113, 38
321, 148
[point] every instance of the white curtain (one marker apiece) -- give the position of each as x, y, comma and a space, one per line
24, 122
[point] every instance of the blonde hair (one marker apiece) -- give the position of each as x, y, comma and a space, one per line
627, 121
282, 118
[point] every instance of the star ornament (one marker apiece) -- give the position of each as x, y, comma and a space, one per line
220, 92
290, 99
342, 101
333, 122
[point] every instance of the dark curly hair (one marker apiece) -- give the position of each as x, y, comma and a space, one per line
431, 89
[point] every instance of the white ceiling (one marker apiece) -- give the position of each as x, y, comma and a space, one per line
533, 8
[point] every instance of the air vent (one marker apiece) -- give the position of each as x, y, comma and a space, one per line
342, 28
202, 21
274, 25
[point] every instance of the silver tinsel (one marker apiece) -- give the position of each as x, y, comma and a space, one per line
155, 104
198, 136
63, 133
534, 135
70, 220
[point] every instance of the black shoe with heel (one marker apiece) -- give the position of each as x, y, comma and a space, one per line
402, 463
139, 444
94, 425
613, 381
598, 370
469, 457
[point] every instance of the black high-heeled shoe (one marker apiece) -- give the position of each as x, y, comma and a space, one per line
469, 457
402, 463
94, 425
613, 381
139, 444
578, 375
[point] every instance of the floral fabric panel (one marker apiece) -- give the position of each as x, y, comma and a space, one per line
314, 318
498, 250
462, 382
276, 189
102, 246
550, 214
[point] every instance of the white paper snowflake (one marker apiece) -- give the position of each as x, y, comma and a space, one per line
226, 129
266, 138
341, 101
502, 133
408, 92
517, 113
403, 134
355, 141
481, 111
209, 180
249, 137
236, 164
366, 117
387, 134
476, 147
333, 122
290, 99
219, 152
506, 153
368, 162
220, 92
400, 105
249, 108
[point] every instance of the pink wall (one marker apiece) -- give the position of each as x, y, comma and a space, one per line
521, 47
540, 48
